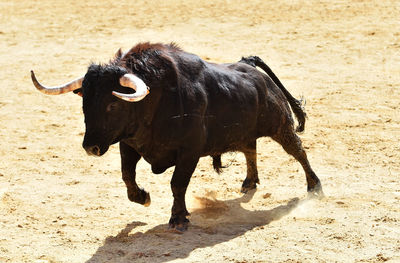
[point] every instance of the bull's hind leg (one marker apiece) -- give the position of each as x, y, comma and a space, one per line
251, 180
291, 143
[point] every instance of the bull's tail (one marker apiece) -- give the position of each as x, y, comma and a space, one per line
295, 104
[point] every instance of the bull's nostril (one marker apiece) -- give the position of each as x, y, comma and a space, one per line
96, 150
93, 150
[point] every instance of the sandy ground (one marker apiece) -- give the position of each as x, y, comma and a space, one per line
60, 205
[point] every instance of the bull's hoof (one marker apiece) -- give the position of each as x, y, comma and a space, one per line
316, 192
178, 224
179, 229
147, 201
245, 190
141, 197
248, 185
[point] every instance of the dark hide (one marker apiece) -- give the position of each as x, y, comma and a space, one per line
194, 109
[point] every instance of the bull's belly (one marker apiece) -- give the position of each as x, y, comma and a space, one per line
229, 140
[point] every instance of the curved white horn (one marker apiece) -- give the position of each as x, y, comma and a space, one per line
133, 82
56, 90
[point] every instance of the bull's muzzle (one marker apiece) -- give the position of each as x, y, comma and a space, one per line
93, 150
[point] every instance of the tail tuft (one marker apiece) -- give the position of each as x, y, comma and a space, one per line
217, 164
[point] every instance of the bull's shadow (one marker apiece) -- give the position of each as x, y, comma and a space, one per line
216, 222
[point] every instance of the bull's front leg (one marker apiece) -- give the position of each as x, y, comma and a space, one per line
184, 168
129, 159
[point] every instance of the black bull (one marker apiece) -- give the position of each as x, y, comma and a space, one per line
194, 108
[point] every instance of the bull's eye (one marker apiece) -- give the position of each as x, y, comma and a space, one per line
112, 106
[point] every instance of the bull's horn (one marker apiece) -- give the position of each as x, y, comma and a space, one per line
133, 82
70, 86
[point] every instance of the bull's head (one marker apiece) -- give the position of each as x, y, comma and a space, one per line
104, 90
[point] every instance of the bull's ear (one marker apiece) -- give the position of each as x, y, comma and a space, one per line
78, 91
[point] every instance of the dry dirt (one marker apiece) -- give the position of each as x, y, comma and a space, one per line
60, 205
